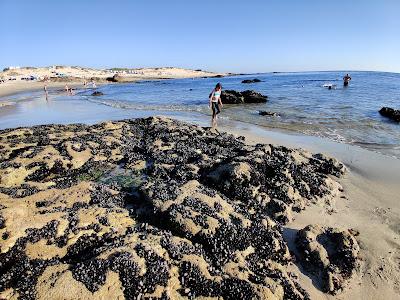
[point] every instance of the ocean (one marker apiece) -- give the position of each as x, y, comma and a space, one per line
343, 114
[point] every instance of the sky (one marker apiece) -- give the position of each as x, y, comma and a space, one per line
226, 36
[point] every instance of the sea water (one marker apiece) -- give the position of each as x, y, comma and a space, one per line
344, 114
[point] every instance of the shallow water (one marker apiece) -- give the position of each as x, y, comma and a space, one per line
348, 115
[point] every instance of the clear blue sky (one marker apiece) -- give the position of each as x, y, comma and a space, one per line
237, 36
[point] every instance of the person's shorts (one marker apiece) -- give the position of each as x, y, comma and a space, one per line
215, 108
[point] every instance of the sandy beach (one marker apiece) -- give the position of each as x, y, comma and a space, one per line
75, 76
334, 222
199, 150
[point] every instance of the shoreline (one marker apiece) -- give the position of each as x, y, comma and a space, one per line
120, 113
75, 76
12, 89
354, 129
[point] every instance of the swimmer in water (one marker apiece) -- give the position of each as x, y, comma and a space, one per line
346, 80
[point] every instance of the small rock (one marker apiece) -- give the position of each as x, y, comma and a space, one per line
248, 96
390, 113
255, 80
267, 113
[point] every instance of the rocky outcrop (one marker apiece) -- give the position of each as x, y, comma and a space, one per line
119, 78
151, 208
267, 113
115, 78
330, 253
234, 97
255, 80
97, 93
390, 113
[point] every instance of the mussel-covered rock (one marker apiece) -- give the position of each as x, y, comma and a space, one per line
255, 80
330, 253
151, 208
390, 113
235, 97
267, 113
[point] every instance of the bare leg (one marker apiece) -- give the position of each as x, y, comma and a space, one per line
213, 120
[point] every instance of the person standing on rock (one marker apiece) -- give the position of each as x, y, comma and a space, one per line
215, 102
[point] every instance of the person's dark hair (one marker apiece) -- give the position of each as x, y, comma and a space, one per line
218, 86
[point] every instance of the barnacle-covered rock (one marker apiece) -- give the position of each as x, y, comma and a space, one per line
150, 208
329, 252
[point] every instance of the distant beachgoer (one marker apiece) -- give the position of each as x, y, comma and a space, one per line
45, 91
93, 84
215, 102
85, 84
68, 89
346, 80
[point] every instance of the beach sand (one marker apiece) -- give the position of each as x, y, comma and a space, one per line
13, 87
74, 76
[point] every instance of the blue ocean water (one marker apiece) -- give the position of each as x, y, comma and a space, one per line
344, 114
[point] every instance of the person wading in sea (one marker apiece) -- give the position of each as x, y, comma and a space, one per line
215, 102
46, 92
346, 80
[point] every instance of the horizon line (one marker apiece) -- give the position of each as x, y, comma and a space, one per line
205, 70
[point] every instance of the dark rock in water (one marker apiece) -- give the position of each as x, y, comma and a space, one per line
152, 208
267, 113
234, 97
119, 78
97, 93
330, 253
255, 80
390, 113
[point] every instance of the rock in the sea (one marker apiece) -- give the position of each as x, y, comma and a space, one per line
267, 113
255, 80
330, 253
235, 97
119, 78
97, 93
390, 113
151, 208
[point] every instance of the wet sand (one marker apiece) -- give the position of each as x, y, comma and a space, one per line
13, 87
